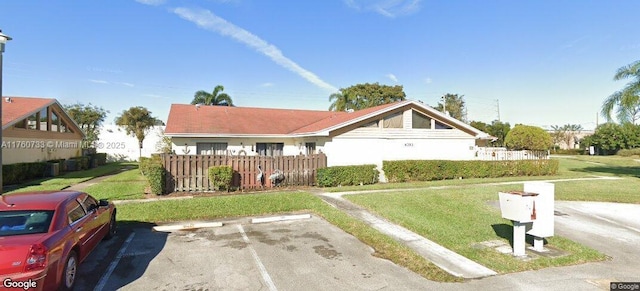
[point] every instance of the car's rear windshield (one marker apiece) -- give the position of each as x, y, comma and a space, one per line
24, 222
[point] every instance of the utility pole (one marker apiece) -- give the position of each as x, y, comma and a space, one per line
498, 108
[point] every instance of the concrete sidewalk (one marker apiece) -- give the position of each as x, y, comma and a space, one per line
444, 258
81, 186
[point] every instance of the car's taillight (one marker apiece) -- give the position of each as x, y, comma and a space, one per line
37, 258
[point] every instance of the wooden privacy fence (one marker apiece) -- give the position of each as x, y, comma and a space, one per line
191, 172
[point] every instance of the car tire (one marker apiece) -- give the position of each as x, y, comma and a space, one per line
69, 272
112, 226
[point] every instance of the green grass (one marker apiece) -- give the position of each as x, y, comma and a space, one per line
129, 184
69, 179
276, 203
458, 218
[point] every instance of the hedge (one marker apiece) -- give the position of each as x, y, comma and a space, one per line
629, 152
17, 173
156, 178
220, 177
428, 170
347, 175
146, 164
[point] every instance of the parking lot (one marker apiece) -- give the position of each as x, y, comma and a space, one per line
309, 254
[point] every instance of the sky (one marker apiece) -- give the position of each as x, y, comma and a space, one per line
539, 63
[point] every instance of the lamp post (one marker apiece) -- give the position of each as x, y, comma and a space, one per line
3, 39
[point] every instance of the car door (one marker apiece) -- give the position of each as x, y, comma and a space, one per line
93, 223
78, 219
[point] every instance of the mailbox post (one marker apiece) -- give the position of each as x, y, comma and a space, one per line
532, 213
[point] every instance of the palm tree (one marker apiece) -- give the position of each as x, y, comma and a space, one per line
342, 101
215, 98
137, 121
626, 102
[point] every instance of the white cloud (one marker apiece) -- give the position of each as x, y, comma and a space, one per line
98, 81
428, 80
387, 8
392, 77
151, 2
126, 84
209, 21
267, 84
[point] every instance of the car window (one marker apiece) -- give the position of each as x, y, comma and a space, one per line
75, 211
88, 202
25, 222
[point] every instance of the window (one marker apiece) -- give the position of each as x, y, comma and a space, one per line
24, 222
21, 124
75, 211
55, 122
212, 148
440, 125
311, 148
393, 121
42, 119
420, 121
32, 121
89, 203
269, 149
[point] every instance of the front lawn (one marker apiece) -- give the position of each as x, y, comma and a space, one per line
459, 218
68, 179
129, 184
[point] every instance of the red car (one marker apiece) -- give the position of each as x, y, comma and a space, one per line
45, 235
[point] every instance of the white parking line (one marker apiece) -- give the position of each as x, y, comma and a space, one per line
263, 270
114, 264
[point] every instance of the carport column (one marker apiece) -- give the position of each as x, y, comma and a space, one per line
538, 244
519, 233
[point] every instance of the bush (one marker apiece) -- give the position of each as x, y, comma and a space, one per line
220, 177
147, 163
525, 137
428, 170
569, 152
18, 173
100, 158
156, 178
628, 152
347, 175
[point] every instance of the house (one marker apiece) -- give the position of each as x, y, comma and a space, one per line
120, 146
37, 129
397, 131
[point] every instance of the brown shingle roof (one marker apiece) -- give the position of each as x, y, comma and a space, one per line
224, 120
21, 107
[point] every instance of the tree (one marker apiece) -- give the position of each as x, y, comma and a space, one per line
454, 105
216, 98
526, 137
609, 137
137, 121
497, 129
557, 136
625, 102
164, 145
89, 118
366, 95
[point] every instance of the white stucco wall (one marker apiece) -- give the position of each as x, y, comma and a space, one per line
236, 145
122, 147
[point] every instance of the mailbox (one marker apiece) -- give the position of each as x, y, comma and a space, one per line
518, 206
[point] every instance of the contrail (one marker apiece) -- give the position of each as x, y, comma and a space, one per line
209, 21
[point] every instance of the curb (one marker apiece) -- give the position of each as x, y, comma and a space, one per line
186, 226
280, 218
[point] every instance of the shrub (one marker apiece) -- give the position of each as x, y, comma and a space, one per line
17, 173
100, 158
525, 137
569, 152
428, 170
347, 175
156, 178
146, 163
629, 152
220, 177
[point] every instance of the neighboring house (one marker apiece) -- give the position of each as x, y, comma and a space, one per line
396, 131
119, 146
37, 129
575, 138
